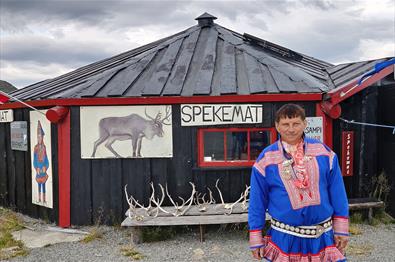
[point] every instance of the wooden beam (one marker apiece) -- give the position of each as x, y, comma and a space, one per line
213, 209
64, 165
327, 124
167, 100
187, 220
366, 205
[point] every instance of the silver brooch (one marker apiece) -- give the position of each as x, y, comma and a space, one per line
286, 173
287, 163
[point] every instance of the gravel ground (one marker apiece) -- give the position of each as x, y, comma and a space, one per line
374, 243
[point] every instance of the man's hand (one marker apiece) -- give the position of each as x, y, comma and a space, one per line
341, 242
258, 253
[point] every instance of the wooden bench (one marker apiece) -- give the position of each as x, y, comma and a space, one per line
365, 203
182, 220
216, 215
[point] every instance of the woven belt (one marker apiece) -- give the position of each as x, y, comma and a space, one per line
314, 231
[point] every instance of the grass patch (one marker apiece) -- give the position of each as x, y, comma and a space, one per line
154, 234
94, 234
359, 250
130, 251
379, 217
354, 230
9, 247
356, 218
383, 217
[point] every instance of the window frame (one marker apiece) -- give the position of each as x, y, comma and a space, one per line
224, 130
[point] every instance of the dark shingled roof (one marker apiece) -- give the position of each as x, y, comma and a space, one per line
206, 59
344, 74
6, 87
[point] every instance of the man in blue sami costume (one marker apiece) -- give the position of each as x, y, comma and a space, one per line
298, 181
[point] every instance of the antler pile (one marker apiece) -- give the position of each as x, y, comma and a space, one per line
138, 211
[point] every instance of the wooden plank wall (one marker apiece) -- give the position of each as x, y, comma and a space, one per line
97, 194
386, 151
15, 174
97, 185
361, 107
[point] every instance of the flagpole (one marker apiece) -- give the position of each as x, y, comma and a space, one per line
16, 99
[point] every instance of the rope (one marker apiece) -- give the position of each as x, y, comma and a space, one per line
367, 124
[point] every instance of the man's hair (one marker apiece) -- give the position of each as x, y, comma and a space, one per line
290, 111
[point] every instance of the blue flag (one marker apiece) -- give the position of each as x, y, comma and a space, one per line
377, 68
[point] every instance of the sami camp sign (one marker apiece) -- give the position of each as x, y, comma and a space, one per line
314, 128
220, 114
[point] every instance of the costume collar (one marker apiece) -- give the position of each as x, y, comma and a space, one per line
284, 147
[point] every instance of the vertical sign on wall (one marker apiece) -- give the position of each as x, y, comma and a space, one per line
41, 158
347, 153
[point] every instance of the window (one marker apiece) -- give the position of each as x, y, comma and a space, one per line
232, 146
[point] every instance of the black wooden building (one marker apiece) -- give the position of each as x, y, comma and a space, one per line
205, 64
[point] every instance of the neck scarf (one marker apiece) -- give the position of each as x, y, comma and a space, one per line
301, 179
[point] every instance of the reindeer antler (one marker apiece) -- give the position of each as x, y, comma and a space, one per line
168, 114
158, 203
132, 206
244, 203
150, 117
180, 210
219, 192
202, 207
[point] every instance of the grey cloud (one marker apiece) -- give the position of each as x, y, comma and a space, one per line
44, 50
330, 38
233, 9
321, 4
118, 15
334, 41
110, 15
44, 10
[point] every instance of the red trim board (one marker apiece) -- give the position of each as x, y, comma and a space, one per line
64, 163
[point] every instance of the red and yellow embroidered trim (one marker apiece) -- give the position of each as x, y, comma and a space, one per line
270, 158
303, 197
256, 239
274, 253
340, 225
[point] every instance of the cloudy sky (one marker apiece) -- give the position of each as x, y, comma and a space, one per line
41, 39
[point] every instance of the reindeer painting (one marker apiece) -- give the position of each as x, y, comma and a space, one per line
132, 127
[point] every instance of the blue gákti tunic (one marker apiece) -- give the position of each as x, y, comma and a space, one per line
272, 192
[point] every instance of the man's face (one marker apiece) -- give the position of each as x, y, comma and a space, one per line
291, 129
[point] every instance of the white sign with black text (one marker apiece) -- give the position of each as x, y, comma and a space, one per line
314, 128
220, 114
6, 116
19, 135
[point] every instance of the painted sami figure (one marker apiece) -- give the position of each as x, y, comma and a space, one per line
298, 181
40, 163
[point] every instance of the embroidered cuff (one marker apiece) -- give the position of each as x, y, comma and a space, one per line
340, 226
256, 239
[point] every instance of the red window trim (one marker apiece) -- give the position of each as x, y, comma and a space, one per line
202, 163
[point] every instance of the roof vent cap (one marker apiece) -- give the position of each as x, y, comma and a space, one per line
205, 19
